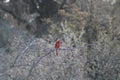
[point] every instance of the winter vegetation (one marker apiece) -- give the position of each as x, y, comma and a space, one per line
89, 32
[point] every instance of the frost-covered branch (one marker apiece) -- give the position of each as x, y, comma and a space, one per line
35, 63
20, 54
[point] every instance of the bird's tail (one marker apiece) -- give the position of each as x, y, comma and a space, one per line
57, 52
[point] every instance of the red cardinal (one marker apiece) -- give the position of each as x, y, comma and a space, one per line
57, 46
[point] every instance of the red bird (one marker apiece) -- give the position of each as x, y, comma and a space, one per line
57, 46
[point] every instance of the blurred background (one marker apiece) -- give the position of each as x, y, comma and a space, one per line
89, 31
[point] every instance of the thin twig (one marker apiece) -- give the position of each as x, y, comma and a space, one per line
36, 62
19, 55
